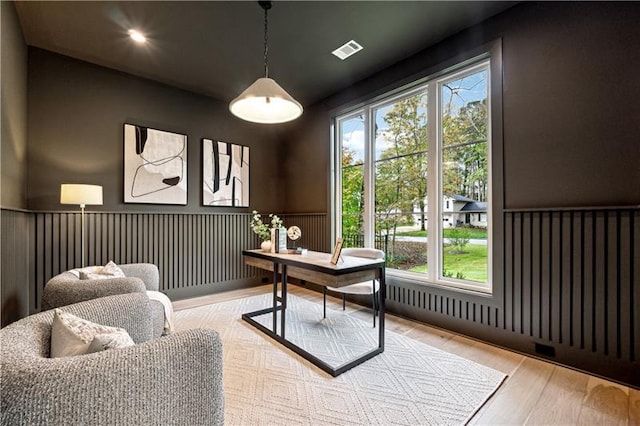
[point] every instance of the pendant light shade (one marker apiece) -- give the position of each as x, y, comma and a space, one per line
265, 101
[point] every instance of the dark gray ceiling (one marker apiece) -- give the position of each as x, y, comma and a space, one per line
216, 48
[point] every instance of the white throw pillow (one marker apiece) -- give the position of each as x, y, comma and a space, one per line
116, 340
72, 335
110, 270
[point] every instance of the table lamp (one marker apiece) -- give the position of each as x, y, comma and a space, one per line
82, 195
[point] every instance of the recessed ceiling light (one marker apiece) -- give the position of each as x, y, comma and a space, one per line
137, 36
347, 49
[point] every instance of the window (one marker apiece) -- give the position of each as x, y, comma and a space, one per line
413, 178
351, 130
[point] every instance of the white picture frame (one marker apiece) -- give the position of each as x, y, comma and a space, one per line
225, 174
155, 166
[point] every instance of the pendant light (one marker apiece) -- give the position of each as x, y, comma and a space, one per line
265, 101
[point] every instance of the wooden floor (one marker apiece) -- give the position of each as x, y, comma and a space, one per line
535, 392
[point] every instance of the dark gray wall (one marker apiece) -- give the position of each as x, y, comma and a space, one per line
14, 225
75, 112
76, 115
14, 110
570, 101
570, 285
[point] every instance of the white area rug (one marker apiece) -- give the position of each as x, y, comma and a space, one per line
266, 384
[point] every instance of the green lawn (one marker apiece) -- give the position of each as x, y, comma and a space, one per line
472, 264
474, 233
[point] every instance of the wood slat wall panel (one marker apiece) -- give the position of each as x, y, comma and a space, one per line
599, 284
555, 279
577, 299
527, 274
571, 276
509, 272
314, 229
517, 267
16, 228
566, 277
634, 290
190, 249
571, 280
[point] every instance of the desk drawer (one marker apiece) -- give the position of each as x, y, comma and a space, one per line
317, 277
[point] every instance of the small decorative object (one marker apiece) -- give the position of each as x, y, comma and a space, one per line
263, 230
155, 166
336, 251
278, 240
225, 174
294, 233
266, 246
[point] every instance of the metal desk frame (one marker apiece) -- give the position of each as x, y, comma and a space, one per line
315, 267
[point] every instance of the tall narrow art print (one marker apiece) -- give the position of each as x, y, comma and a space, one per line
155, 166
225, 174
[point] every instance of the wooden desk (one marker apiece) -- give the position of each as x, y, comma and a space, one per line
315, 267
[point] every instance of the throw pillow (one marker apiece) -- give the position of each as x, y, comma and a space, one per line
72, 335
110, 270
116, 340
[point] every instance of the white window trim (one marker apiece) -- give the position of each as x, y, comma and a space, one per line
432, 87
434, 275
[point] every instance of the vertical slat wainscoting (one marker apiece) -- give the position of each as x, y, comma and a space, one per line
314, 227
584, 266
421, 298
190, 250
571, 291
15, 250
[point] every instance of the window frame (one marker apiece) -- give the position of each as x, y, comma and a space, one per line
465, 64
436, 185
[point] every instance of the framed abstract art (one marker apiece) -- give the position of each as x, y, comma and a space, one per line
225, 174
155, 166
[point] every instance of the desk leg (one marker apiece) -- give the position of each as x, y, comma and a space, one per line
275, 298
382, 294
284, 299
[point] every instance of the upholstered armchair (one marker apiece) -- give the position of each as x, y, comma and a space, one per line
67, 288
175, 379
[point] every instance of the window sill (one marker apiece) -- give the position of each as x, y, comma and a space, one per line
453, 285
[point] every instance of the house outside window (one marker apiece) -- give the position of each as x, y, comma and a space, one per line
393, 153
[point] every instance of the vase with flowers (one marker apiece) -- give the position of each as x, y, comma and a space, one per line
263, 230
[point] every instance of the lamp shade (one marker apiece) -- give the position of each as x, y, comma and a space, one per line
80, 194
265, 102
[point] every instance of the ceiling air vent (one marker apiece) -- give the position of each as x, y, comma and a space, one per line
347, 49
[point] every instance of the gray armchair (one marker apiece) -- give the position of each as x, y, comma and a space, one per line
66, 288
176, 379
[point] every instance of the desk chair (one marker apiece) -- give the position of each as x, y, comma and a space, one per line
368, 287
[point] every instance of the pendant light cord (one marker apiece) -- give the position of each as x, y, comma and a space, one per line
266, 39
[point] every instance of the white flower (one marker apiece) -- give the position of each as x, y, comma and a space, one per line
260, 228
